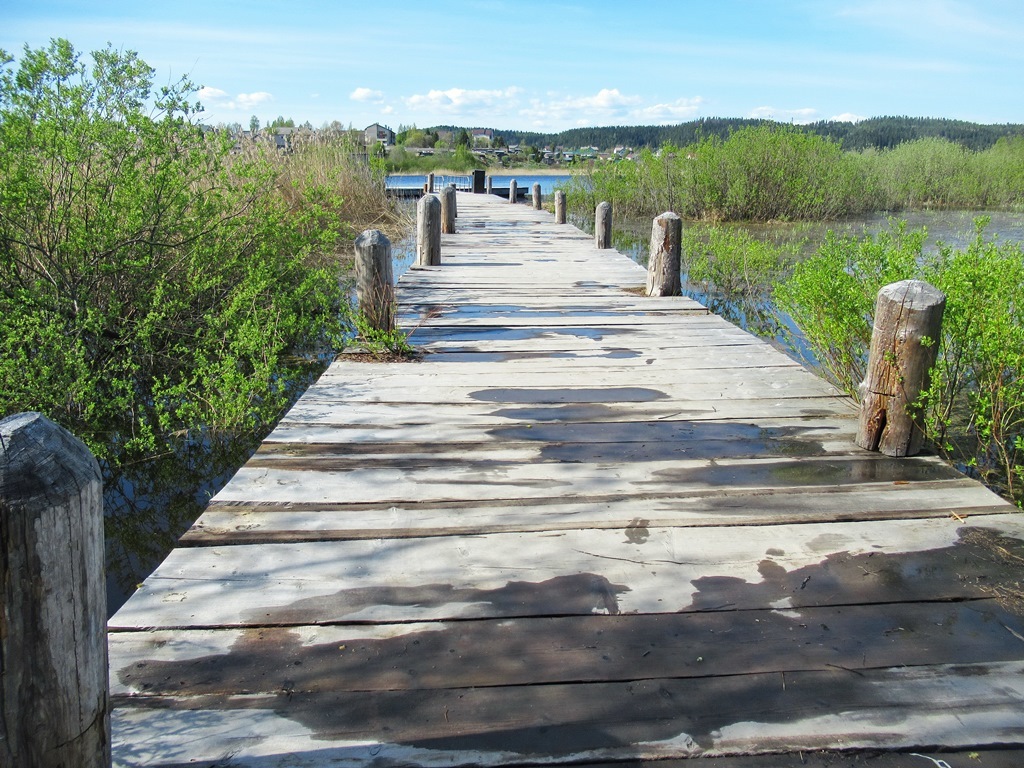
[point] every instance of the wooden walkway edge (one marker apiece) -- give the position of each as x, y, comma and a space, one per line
587, 527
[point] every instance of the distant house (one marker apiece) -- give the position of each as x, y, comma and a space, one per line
482, 136
283, 138
378, 134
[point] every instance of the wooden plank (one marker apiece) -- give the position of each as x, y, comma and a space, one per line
465, 654
326, 412
995, 757
483, 480
398, 433
637, 569
949, 706
772, 383
260, 521
629, 362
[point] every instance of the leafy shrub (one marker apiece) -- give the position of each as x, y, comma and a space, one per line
831, 295
153, 281
974, 408
976, 400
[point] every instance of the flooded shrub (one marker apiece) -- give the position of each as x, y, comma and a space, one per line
974, 409
831, 295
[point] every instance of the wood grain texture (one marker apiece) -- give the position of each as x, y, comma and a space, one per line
53, 654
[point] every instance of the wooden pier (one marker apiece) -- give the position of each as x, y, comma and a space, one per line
588, 527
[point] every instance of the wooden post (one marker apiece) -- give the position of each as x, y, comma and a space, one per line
559, 207
428, 231
490, 185
478, 181
904, 346
53, 643
663, 264
375, 286
448, 211
603, 225
455, 201
430, 183
513, 191
536, 197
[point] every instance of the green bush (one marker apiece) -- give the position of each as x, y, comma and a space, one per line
152, 283
831, 295
976, 400
974, 408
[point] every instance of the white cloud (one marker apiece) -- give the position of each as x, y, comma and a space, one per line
250, 100
677, 111
460, 101
802, 115
212, 95
607, 105
215, 97
847, 117
607, 99
366, 94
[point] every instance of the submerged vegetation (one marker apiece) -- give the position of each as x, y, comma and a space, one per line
974, 409
777, 173
161, 282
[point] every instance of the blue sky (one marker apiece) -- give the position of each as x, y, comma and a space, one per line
549, 66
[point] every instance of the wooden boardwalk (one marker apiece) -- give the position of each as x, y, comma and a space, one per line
588, 527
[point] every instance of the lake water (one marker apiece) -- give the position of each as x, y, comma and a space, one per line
547, 182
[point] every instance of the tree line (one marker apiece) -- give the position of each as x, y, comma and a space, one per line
877, 132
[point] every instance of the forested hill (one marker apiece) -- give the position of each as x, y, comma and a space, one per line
879, 132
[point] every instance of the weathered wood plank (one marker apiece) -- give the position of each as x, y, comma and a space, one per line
464, 654
261, 521
635, 569
448, 480
953, 706
398, 433
334, 413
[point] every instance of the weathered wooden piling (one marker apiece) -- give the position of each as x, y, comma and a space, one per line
430, 183
53, 643
513, 191
490, 185
603, 225
904, 346
448, 210
559, 207
536, 197
663, 263
428, 231
375, 285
